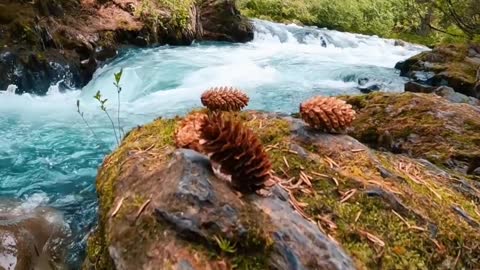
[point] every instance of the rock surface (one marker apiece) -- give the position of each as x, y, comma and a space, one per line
190, 206
455, 66
46, 41
31, 238
421, 125
163, 208
444, 91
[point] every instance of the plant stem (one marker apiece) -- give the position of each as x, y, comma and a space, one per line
118, 113
88, 126
113, 126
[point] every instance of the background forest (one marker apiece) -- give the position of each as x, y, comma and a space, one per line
423, 21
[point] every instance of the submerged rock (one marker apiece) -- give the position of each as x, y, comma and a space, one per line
48, 41
454, 66
162, 208
31, 238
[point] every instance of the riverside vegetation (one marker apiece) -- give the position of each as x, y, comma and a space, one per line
422, 21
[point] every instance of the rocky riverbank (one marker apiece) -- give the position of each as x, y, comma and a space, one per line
453, 66
46, 41
394, 193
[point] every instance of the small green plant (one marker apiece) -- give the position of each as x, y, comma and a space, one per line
84, 120
103, 107
225, 245
98, 97
118, 77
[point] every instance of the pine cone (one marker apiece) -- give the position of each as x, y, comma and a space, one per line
224, 99
327, 113
238, 152
187, 133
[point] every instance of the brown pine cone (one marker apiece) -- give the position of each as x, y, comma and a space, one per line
238, 152
224, 99
327, 113
187, 133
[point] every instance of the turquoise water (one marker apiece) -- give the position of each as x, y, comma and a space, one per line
48, 157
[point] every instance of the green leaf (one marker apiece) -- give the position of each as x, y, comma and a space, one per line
225, 245
118, 76
98, 95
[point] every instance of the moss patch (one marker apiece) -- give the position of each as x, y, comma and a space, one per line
154, 136
418, 124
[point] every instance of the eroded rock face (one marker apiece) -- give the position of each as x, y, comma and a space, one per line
47, 41
31, 238
454, 66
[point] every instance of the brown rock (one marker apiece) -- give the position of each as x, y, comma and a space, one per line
68, 32
421, 125
454, 66
31, 239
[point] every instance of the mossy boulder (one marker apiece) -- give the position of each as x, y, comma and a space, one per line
161, 207
164, 209
420, 125
455, 66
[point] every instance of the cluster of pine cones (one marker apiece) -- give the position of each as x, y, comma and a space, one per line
226, 141
235, 148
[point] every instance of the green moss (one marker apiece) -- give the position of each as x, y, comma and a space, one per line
157, 135
437, 136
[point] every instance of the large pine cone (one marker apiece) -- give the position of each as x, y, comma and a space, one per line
224, 99
187, 133
238, 152
327, 113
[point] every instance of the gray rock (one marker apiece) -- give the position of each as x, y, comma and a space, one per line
455, 97
297, 243
191, 208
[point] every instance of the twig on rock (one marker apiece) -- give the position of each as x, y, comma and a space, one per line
142, 208
117, 207
348, 195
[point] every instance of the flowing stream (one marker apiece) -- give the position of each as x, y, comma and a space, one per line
49, 157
